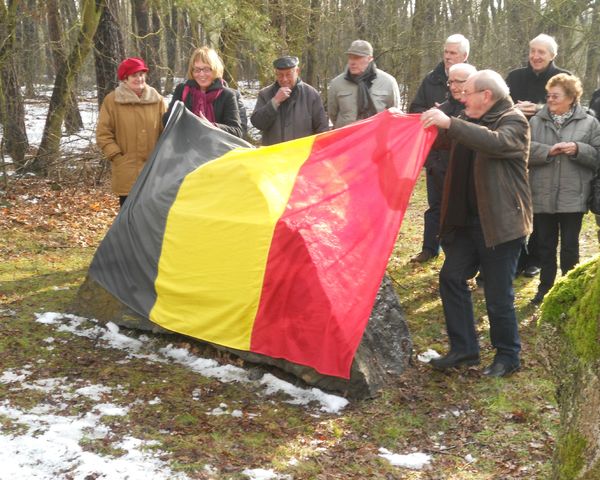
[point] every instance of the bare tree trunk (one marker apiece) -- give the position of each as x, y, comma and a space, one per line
310, 58
73, 121
156, 68
65, 78
109, 49
276, 9
12, 113
29, 48
72, 118
228, 43
591, 79
420, 21
171, 46
187, 40
145, 38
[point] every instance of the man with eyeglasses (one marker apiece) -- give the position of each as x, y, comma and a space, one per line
453, 106
288, 108
528, 90
432, 92
486, 214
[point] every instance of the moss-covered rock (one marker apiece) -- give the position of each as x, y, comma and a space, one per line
570, 346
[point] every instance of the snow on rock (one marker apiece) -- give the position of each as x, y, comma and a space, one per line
207, 367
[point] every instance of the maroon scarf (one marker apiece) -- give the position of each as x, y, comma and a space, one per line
202, 102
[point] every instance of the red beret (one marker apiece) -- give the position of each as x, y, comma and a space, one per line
129, 66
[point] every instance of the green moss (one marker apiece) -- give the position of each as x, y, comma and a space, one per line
570, 455
573, 307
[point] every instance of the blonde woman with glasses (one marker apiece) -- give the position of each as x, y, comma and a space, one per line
205, 93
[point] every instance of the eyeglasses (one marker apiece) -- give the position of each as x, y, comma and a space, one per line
458, 82
554, 96
464, 93
201, 70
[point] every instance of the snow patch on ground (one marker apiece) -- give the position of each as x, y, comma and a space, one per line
110, 336
413, 461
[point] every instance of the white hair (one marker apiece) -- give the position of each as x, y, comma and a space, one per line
547, 41
490, 80
462, 41
462, 67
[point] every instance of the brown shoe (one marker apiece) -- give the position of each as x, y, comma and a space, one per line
422, 257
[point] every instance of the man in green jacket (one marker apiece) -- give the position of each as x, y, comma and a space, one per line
485, 216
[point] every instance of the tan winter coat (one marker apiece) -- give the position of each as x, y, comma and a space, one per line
127, 131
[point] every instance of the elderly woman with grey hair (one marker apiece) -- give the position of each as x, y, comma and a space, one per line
565, 153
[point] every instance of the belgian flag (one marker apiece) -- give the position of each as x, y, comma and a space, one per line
276, 250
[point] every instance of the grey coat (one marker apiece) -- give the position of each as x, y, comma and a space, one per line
500, 141
300, 115
342, 97
561, 183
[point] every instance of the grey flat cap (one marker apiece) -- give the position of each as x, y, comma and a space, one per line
286, 62
360, 47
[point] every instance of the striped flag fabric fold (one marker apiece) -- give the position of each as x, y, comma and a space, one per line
277, 250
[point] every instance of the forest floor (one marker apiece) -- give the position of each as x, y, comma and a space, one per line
201, 427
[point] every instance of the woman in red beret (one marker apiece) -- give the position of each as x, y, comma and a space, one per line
205, 93
129, 125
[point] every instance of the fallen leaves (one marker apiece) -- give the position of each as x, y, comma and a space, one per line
76, 215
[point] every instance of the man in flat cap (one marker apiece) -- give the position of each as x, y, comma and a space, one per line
288, 108
362, 90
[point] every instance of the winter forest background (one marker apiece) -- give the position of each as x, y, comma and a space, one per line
76, 45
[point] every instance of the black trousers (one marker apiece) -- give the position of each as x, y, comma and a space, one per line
548, 227
437, 164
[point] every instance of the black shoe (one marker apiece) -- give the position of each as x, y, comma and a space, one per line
531, 271
538, 298
423, 257
499, 369
454, 359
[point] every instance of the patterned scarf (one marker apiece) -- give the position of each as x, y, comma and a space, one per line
559, 120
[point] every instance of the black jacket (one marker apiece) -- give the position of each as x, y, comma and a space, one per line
452, 108
526, 85
595, 103
299, 116
433, 89
227, 115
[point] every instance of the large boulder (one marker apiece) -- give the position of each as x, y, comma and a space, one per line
570, 345
383, 354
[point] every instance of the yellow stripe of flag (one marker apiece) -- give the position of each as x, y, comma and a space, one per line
217, 239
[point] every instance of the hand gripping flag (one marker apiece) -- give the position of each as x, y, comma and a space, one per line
278, 250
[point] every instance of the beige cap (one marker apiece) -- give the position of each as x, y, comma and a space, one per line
360, 47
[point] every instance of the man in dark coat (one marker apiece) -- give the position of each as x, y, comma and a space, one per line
595, 103
528, 90
486, 214
432, 92
289, 108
